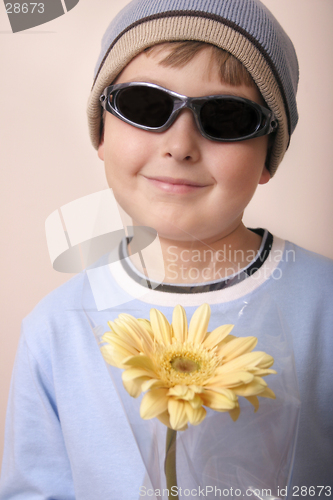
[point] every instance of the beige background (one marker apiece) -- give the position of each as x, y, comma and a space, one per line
47, 160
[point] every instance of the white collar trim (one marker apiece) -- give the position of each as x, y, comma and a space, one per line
159, 298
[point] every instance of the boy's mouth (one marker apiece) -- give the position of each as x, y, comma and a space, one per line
177, 186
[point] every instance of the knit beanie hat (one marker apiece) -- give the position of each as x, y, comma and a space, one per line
244, 28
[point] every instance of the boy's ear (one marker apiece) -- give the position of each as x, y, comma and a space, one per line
100, 150
265, 176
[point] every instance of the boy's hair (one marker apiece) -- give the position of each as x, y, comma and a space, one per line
179, 54
244, 28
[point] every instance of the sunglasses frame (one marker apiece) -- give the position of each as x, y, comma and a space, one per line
267, 121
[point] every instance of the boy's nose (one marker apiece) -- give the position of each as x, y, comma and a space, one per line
181, 140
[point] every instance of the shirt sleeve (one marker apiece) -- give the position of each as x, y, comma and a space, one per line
35, 462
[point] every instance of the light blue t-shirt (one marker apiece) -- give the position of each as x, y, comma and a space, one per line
67, 436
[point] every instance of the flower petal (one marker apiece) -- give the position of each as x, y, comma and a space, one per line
179, 323
161, 327
151, 383
267, 393
114, 356
217, 401
254, 402
154, 403
109, 356
254, 388
199, 324
234, 414
164, 418
133, 373
146, 325
118, 328
118, 342
228, 393
266, 362
216, 336
181, 392
141, 362
243, 362
262, 373
196, 402
196, 388
195, 415
136, 329
178, 416
237, 347
229, 338
134, 387
230, 379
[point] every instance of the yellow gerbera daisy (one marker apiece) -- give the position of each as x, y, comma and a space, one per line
183, 369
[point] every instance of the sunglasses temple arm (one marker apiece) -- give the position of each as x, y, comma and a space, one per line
103, 98
273, 123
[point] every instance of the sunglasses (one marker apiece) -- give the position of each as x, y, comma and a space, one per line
222, 118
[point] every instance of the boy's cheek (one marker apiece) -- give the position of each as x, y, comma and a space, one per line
242, 166
124, 143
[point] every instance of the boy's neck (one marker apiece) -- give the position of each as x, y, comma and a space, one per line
194, 262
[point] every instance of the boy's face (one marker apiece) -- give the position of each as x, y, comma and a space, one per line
181, 184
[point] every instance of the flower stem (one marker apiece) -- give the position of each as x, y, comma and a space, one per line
170, 462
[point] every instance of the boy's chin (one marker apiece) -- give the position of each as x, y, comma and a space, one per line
176, 227
179, 235
168, 231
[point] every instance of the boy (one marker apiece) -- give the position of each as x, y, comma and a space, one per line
189, 180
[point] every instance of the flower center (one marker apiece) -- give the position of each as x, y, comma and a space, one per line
184, 365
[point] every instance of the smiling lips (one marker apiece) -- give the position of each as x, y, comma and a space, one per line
176, 186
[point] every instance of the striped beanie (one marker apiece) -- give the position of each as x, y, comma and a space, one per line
244, 28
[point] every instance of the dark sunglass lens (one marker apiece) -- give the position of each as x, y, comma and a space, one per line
145, 106
228, 119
